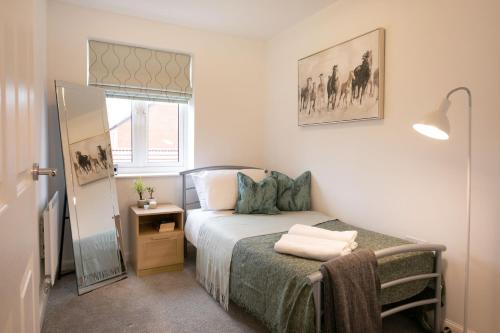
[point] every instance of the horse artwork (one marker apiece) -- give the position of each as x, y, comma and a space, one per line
304, 95
346, 81
320, 95
312, 99
345, 90
362, 75
332, 87
374, 83
91, 162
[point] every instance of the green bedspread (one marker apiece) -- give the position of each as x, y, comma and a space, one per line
273, 287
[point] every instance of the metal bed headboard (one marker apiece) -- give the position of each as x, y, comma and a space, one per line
190, 198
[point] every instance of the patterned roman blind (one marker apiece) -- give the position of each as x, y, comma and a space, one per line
139, 73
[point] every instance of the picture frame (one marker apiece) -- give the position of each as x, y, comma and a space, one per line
91, 159
343, 83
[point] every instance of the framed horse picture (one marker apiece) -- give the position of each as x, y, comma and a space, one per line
344, 82
91, 159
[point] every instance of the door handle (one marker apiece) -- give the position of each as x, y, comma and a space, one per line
36, 171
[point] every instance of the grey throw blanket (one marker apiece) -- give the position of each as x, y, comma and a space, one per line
351, 294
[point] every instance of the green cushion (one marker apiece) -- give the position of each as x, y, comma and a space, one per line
256, 198
293, 195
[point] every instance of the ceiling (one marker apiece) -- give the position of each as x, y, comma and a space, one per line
250, 18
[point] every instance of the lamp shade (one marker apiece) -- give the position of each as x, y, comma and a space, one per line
435, 124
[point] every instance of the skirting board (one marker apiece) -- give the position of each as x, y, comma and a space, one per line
456, 328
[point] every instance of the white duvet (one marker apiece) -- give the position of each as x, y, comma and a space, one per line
196, 218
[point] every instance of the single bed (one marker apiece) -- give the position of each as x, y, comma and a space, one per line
284, 292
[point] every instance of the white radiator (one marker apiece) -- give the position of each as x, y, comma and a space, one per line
51, 237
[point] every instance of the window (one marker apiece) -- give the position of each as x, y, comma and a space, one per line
147, 136
148, 94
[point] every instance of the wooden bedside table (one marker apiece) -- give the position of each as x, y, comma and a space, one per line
152, 251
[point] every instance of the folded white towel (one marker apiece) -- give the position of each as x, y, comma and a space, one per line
312, 248
305, 230
317, 241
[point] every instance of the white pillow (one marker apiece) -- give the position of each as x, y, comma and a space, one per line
199, 185
218, 190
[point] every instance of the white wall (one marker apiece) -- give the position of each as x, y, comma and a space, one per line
381, 174
227, 82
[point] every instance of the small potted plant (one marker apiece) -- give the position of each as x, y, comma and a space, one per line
150, 190
140, 188
151, 201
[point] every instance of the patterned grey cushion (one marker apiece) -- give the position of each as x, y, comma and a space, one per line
256, 198
293, 195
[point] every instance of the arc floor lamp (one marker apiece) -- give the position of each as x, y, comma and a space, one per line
437, 126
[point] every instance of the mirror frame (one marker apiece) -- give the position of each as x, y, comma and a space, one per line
70, 183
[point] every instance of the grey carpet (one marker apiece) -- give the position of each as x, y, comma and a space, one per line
167, 302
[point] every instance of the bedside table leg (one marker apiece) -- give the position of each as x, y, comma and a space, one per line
185, 247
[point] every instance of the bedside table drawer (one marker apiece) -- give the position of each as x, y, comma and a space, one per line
161, 250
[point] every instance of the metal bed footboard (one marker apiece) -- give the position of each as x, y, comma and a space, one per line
315, 280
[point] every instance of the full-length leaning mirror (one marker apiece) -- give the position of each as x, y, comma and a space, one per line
90, 185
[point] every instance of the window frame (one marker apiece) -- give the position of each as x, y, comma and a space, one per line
140, 137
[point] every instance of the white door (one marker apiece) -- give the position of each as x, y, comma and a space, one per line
20, 107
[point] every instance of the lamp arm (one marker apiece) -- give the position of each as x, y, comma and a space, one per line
469, 168
467, 90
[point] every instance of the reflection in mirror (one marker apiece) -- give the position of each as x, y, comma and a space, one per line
90, 185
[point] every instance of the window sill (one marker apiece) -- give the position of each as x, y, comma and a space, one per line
147, 175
